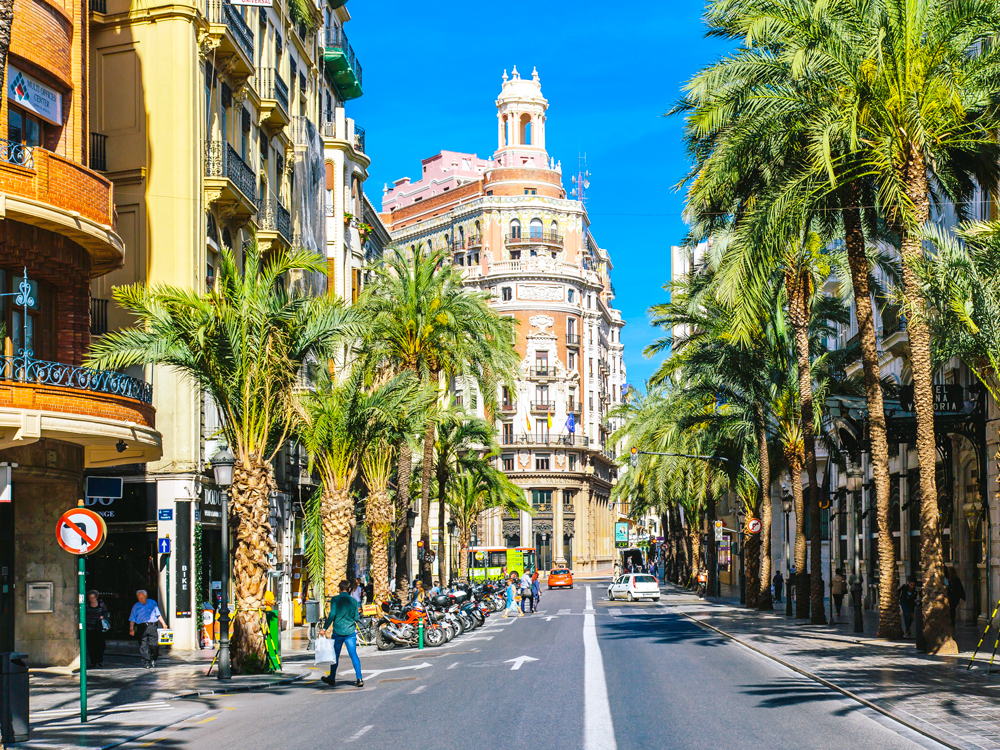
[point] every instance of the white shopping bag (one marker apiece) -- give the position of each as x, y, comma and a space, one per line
324, 650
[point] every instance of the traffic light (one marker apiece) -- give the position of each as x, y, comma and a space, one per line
634, 458
420, 550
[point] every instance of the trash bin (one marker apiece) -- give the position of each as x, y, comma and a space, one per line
312, 611
13, 697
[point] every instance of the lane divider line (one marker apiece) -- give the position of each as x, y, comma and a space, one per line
360, 733
598, 727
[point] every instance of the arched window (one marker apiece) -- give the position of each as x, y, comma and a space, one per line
554, 228
515, 230
227, 238
506, 131
535, 229
526, 130
461, 236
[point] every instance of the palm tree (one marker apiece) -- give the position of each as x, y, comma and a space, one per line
478, 488
424, 320
380, 515
244, 343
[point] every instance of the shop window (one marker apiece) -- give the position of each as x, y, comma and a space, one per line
541, 497
30, 328
23, 127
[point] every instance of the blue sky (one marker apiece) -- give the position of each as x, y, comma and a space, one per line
432, 72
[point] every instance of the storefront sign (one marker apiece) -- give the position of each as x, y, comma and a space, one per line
33, 95
947, 398
128, 503
621, 534
183, 557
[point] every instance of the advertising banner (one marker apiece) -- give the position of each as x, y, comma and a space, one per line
31, 94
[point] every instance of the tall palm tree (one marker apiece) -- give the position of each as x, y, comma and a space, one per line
245, 343
380, 515
425, 321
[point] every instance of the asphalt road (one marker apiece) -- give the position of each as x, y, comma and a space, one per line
615, 675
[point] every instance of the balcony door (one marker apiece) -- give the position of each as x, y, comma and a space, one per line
542, 431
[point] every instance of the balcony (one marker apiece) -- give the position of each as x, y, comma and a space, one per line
342, 67
535, 238
98, 316
508, 407
234, 37
273, 100
555, 441
108, 413
228, 180
359, 139
894, 337
541, 371
546, 407
274, 222
573, 339
474, 241
99, 152
51, 192
574, 407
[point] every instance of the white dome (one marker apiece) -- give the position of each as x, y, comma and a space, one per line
520, 89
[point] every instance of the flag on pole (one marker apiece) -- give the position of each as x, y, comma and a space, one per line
527, 421
550, 420
571, 424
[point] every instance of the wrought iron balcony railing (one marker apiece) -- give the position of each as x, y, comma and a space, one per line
25, 369
99, 152
546, 406
508, 407
577, 441
533, 238
273, 217
14, 152
337, 39
98, 316
221, 160
273, 86
220, 11
574, 407
359, 138
572, 339
541, 371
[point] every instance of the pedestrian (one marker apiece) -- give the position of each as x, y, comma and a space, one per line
369, 592
356, 591
512, 596
418, 591
908, 603
142, 620
98, 624
838, 587
342, 623
436, 589
525, 585
618, 568
779, 586
536, 592
956, 592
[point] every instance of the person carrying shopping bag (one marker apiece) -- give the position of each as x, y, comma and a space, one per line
342, 623
512, 597
536, 592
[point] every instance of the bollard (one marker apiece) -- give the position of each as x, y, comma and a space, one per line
420, 634
859, 621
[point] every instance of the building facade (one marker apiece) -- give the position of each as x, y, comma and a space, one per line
219, 124
58, 419
509, 225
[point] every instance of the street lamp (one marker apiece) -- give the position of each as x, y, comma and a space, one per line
222, 467
741, 540
786, 508
450, 547
411, 520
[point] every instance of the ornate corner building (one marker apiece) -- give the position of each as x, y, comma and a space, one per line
508, 223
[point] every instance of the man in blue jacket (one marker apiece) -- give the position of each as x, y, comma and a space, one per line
342, 623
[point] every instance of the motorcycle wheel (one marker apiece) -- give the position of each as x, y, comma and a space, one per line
460, 626
383, 642
434, 637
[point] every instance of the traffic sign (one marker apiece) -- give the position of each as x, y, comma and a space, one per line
163, 545
165, 514
824, 502
753, 525
81, 531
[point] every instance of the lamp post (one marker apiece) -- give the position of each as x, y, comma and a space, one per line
411, 519
855, 479
450, 547
741, 540
786, 509
222, 467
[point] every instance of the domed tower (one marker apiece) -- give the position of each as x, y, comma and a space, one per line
521, 122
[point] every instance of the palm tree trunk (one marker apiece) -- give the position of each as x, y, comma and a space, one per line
250, 506
801, 574
754, 585
338, 522
764, 599
889, 624
711, 549
6, 25
694, 535
444, 564
797, 282
404, 471
426, 471
938, 631
379, 518
463, 555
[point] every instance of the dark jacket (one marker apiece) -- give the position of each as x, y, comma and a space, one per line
94, 615
343, 614
907, 598
956, 591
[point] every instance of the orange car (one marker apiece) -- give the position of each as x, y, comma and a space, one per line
560, 577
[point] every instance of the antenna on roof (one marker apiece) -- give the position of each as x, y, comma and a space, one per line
581, 180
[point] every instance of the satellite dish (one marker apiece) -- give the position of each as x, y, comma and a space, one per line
573, 178
586, 183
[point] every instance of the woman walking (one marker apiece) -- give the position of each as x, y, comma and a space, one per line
512, 597
98, 623
536, 592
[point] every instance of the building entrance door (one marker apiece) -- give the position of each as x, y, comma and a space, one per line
543, 543
6, 576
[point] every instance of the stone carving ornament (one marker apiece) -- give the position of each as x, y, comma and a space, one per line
560, 458
541, 322
540, 292
523, 457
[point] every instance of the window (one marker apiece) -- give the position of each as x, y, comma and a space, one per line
572, 462
541, 497
571, 360
489, 192
508, 433
591, 366
515, 230
535, 227
515, 255
508, 462
569, 295
23, 128
590, 301
590, 402
542, 363
33, 333
506, 294
529, 191
542, 396
554, 228
591, 335
542, 462
542, 431
571, 325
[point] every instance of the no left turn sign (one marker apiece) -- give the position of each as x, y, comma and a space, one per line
81, 531
753, 525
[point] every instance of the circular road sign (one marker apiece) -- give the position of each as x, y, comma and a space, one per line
753, 525
480, 555
81, 531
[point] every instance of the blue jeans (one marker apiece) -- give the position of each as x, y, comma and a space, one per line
352, 650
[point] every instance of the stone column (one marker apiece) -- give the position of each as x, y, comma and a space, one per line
557, 524
526, 540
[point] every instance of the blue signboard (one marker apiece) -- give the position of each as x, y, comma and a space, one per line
164, 546
165, 514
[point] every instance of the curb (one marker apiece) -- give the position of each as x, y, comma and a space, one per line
826, 683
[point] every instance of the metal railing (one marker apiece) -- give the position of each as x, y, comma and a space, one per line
220, 11
273, 217
508, 407
14, 152
574, 407
572, 339
221, 160
25, 369
272, 86
99, 6
892, 321
99, 152
543, 406
359, 139
337, 39
475, 240
98, 316
542, 372
578, 441
548, 238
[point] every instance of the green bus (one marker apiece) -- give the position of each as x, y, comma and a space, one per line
491, 562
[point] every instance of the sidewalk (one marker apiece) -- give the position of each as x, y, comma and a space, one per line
126, 701
936, 695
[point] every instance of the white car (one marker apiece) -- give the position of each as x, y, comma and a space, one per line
634, 586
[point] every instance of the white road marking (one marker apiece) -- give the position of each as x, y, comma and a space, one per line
454, 665
369, 673
615, 612
598, 727
360, 733
479, 638
418, 689
519, 661
550, 618
566, 611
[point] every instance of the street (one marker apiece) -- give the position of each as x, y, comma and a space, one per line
534, 682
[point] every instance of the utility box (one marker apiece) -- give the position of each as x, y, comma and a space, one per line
14, 725
312, 611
